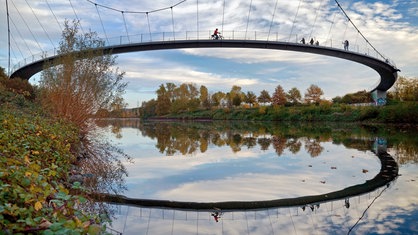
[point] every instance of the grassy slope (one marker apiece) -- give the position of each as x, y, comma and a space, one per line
35, 158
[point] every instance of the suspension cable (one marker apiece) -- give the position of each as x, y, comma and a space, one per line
18, 48
345, 30
126, 28
20, 34
149, 27
137, 12
76, 16
330, 27
197, 18
316, 16
368, 207
8, 37
27, 26
40, 23
248, 18
101, 22
223, 16
56, 19
352, 23
272, 19
294, 20
172, 22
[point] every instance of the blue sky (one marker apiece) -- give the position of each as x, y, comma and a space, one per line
391, 27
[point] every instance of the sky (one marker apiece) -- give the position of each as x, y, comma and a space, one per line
391, 26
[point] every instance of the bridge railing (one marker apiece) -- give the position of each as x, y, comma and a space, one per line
205, 35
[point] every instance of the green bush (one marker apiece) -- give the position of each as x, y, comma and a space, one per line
19, 86
35, 158
368, 113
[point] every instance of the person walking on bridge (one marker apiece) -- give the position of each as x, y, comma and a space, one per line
346, 43
311, 41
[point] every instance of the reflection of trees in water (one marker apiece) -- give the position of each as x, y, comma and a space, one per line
264, 143
313, 147
406, 153
279, 144
187, 137
99, 169
294, 145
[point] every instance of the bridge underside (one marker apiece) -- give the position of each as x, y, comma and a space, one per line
387, 72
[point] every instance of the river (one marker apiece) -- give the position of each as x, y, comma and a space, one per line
241, 177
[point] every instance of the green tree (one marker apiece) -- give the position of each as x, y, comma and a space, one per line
3, 75
235, 96
313, 94
204, 97
294, 96
279, 97
406, 89
81, 80
185, 98
236, 100
217, 98
357, 97
264, 97
148, 109
250, 98
164, 103
170, 87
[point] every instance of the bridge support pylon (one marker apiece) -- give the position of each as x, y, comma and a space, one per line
379, 97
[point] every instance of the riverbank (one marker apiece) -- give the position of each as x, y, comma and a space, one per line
392, 113
37, 152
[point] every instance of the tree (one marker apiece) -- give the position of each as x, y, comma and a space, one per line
279, 97
3, 75
294, 96
204, 97
264, 97
313, 94
235, 96
406, 89
82, 80
236, 100
250, 98
353, 98
217, 98
163, 101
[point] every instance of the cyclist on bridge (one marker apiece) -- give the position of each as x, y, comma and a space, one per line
216, 34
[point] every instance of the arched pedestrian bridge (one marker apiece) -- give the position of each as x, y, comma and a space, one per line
387, 71
189, 21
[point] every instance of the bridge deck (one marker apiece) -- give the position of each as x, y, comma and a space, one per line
387, 72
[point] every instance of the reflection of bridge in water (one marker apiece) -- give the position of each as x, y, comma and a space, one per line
171, 217
334, 217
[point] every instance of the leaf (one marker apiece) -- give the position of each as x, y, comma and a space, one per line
94, 229
76, 185
38, 205
27, 159
44, 223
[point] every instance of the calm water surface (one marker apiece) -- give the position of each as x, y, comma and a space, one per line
242, 161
